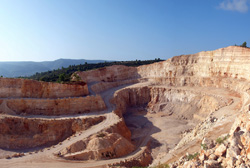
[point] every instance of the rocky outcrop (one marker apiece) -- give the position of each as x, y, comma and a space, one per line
112, 142
103, 145
231, 150
143, 160
120, 128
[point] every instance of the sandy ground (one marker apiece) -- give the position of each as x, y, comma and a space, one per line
166, 131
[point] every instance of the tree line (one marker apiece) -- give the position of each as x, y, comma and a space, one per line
63, 74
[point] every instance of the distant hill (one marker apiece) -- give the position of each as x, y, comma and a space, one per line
28, 68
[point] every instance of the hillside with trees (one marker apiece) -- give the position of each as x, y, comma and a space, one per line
64, 74
28, 68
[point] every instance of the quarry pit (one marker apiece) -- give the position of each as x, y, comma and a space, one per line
124, 116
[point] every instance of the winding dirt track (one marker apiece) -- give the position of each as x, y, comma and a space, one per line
48, 157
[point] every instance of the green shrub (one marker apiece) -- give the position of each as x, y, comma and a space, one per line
221, 140
204, 146
244, 44
194, 156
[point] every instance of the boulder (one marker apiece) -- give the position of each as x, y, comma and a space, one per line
220, 150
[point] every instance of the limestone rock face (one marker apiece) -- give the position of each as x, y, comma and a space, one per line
184, 103
102, 86
109, 74
188, 104
24, 88
19, 133
232, 62
65, 106
120, 128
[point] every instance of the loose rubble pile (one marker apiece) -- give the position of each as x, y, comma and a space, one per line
231, 150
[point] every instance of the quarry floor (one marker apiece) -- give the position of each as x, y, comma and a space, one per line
162, 130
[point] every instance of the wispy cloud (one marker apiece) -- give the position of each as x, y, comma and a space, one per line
234, 5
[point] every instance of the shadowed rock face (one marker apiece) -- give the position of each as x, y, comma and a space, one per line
19, 133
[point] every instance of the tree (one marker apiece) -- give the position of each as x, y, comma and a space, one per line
244, 44
61, 77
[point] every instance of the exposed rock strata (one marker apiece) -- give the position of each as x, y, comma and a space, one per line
206, 91
109, 74
24, 88
187, 103
50, 107
103, 86
222, 68
20, 133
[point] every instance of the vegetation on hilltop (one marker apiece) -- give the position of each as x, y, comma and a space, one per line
64, 74
244, 44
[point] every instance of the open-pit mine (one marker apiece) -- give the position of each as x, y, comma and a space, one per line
187, 111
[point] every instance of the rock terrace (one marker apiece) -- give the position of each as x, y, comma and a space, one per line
132, 116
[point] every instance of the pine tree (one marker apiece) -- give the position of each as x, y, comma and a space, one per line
244, 44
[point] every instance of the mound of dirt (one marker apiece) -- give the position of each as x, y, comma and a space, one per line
100, 146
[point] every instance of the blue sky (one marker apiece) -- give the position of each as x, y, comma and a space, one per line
39, 30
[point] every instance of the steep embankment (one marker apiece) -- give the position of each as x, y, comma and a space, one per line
53, 107
23, 88
24, 133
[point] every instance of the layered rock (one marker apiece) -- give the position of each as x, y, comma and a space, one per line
225, 69
50, 107
182, 102
232, 61
109, 74
204, 92
24, 88
21, 133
